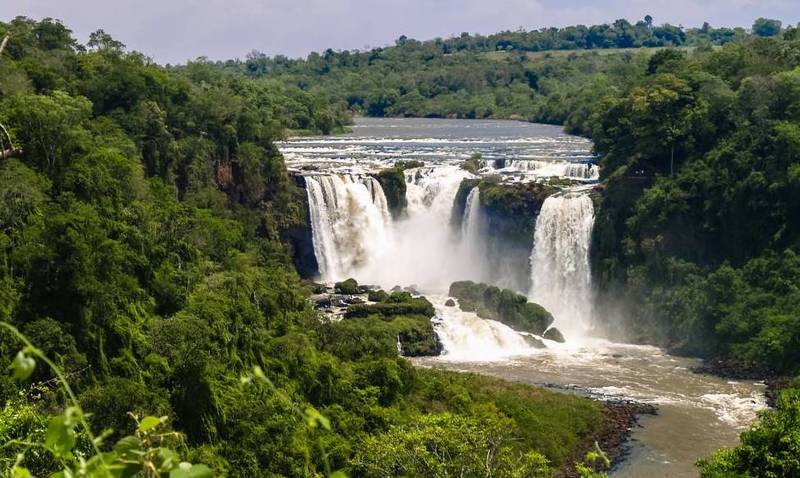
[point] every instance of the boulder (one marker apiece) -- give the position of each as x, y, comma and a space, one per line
377, 295
554, 334
321, 301
412, 288
502, 305
349, 286
450, 303
396, 288
534, 342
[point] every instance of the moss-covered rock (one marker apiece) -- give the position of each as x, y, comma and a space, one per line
388, 309
349, 286
502, 305
378, 295
375, 329
474, 164
417, 336
460, 201
373, 336
393, 183
512, 208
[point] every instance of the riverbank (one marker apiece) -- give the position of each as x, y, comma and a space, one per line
733, 370
621, 417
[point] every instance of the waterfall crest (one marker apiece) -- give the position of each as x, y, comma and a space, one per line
581, 171
560, 273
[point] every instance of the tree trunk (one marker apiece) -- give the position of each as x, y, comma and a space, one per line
672, 159
10, 153
4, 43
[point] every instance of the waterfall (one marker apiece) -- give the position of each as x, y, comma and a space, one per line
465, 336
473, 230
355, 235
321, 229
350, 223
581, 171
560, 273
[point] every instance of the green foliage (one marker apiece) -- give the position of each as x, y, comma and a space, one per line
143, 248
146, 453
502, 305
550, 75
770, 448
696, 233
446, 444
765, 27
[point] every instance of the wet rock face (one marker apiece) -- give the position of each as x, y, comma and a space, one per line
299, 237
450, 303
534, 342
510, 211
393, 183
554, 334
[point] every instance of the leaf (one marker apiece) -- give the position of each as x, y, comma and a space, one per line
148, 423
187, 470
314, 418
129, 448
20, 472
338, 474
99, 439
168, 459
22, 366
60, 437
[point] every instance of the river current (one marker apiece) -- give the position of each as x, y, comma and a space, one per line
355, 235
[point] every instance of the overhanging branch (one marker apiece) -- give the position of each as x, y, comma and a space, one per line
5, 138
10, 153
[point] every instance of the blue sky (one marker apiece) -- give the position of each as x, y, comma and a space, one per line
177, 30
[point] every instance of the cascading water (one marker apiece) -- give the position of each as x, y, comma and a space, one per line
350, 222
473, 231
560, 274
423, 249
355, 236
580, 171
465, 336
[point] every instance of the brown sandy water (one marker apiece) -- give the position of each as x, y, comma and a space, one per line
697, 414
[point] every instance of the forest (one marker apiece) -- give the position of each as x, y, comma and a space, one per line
151, 313
153, 317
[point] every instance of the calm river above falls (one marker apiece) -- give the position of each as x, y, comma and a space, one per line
354, 235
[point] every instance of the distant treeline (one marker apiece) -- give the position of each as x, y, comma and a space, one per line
532, 75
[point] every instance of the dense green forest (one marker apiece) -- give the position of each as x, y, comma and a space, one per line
697, 234
147, 216
145, 257
542, 75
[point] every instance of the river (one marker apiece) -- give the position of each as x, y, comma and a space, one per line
354, 235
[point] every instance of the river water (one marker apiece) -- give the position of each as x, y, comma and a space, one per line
355, 235
697, 414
